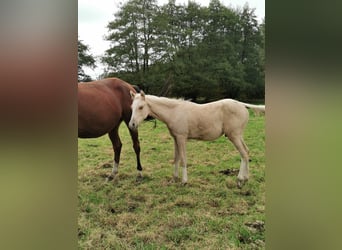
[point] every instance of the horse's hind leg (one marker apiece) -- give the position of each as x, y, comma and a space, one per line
136, 146
116, 142
240, 145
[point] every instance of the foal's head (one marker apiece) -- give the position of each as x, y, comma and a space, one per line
140, 109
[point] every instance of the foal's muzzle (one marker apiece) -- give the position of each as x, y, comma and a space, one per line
133, 125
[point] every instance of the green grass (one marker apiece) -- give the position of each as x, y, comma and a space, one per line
210, 212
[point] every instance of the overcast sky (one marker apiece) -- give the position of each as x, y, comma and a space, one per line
93, 17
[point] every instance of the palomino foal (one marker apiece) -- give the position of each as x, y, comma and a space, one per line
187, 120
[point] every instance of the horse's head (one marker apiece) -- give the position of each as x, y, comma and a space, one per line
140, 109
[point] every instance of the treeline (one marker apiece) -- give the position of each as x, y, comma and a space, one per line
191, 51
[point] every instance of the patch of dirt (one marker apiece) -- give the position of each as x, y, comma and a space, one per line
106, 176
246, 192
256, 225
230, 172
214, 203
106, 165
131, 207
80, 233
183, 203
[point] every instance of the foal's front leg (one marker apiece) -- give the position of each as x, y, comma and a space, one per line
181, 145
176, 160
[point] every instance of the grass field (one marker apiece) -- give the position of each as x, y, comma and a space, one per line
210, 212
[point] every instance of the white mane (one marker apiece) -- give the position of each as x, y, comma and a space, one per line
170, 102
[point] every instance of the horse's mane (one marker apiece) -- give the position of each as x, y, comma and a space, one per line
170, 102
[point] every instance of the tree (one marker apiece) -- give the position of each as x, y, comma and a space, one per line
84, 59
252, 53
131, 36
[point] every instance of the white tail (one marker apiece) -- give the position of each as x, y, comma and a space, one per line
258, 109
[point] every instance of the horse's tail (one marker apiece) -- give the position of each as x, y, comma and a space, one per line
258, 109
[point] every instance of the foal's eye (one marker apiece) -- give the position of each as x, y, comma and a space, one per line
141, 107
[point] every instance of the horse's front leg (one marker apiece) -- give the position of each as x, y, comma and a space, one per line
181, 144
136, 146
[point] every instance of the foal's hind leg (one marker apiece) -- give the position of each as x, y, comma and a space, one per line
240, 145
136, 146
116, 142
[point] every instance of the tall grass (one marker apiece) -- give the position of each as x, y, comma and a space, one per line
210, 212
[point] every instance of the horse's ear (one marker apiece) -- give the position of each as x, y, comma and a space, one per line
132, 94
142, 94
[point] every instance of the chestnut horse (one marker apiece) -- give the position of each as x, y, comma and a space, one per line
102, 106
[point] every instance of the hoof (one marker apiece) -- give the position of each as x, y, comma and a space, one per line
240, 183
176, 179
139, 178
111, 177
184, 184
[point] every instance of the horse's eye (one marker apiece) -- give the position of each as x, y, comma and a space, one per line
141, 107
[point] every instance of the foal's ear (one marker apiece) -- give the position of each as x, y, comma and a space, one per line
132, 94
142, 94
